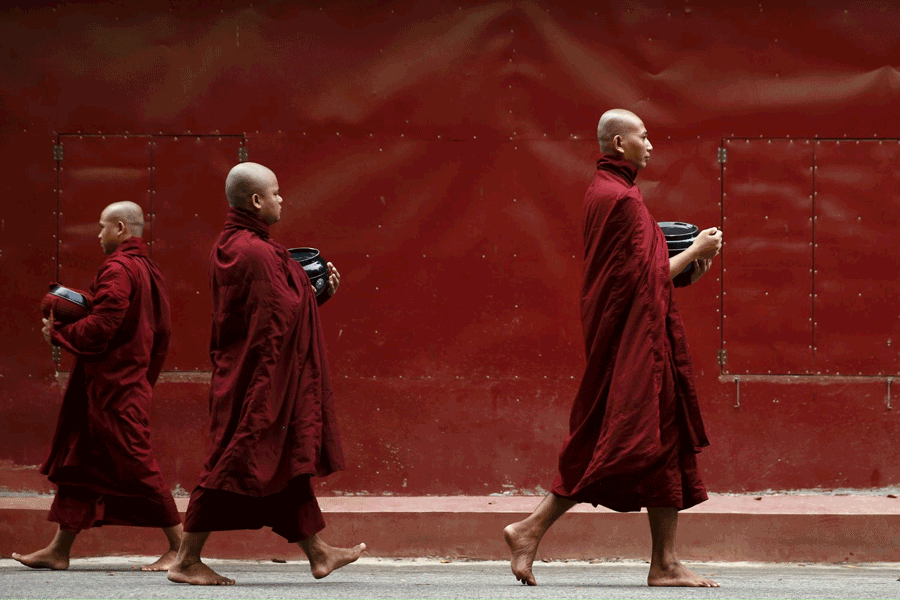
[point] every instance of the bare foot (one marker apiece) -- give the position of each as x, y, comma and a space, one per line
323, 559
43, 559
523, 545
163, 563
197, 574
677, 575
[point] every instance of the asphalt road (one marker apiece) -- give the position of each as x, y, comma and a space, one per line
431, 578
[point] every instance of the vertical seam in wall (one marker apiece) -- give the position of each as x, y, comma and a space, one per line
812, 295
722, 368
58, 206
150, 201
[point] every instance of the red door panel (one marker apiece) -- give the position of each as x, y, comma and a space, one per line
189, 208
767, 258
857, 258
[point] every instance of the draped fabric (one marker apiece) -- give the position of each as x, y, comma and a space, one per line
102, 442
272, 412
635, 423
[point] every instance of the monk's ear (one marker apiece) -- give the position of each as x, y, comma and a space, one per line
256, 201
617, 144
121, 228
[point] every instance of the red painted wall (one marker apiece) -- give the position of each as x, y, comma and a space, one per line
437, 153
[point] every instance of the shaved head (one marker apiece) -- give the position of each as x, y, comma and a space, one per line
622, 134
244, 180
118, 222
617, 121
128, 213
254, 188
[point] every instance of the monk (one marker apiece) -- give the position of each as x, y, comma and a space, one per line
635, 425
272, 412
101, 460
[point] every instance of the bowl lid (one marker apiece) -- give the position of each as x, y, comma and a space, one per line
67, 294
303, 255
676, 230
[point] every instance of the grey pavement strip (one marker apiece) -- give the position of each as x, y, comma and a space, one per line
113, 577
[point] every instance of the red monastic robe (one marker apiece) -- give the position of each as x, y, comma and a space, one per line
102, 439
271, 401
635, 423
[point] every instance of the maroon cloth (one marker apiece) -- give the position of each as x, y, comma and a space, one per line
271, 401
635, 423
75, 508
102, 439
293, 513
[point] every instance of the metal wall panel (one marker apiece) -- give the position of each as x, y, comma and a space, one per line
449, 112
857, 313
189, 209
767, 257
804, 431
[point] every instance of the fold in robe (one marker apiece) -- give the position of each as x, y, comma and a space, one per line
635, 423
102, 442
272, 414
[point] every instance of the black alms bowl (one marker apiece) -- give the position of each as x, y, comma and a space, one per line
314, 265
679, 237
68, 305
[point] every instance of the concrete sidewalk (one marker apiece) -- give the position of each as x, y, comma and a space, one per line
387, 578
823, 528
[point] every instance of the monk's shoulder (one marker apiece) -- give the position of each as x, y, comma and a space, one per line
251, 256
613, 195
117, 269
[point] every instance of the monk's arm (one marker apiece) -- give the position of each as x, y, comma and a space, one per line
705, 247
92, 334
680, 262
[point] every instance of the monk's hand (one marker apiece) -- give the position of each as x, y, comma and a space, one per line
47, 328
707, 244
700, 268
334, 279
